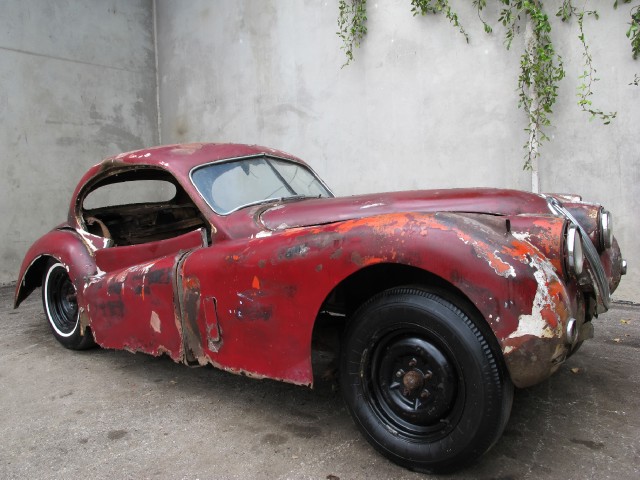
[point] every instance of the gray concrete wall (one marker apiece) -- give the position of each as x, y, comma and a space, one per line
77, 83
419, 108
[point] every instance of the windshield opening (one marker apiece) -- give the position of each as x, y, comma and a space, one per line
229, 186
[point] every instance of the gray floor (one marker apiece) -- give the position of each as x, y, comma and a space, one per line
108, 414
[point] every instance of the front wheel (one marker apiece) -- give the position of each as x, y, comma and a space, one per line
59, 298
422, 382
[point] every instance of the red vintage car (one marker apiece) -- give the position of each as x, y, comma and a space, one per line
241, 257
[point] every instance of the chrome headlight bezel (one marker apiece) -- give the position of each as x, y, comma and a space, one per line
597, 273
574, 250
606, 229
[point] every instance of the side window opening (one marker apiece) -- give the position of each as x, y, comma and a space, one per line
139, 206
132, 192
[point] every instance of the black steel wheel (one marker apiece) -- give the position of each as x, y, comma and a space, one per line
60, 301
422, 382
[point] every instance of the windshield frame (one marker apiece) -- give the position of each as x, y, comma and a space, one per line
265, 156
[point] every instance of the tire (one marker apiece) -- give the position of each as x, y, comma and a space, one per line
422, 382
61, 308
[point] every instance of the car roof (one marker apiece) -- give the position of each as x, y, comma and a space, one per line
186, 156
177, 159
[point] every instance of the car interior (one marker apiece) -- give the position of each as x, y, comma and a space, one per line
138, 206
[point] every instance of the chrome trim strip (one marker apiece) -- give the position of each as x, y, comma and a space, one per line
606, 231
601, 285
572, 331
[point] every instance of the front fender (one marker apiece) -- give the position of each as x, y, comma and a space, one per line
68, 248
514, 286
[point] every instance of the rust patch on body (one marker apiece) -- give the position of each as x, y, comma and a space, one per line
115, 288
190, 308
533, 359
294, 252
187, 148
213, 332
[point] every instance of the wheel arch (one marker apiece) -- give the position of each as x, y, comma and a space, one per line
366, 282
32, 278
63, 245
358, 288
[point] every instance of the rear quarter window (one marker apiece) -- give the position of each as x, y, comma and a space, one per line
131, 192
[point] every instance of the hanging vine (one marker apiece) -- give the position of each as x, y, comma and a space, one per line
352, 26
541, 67
588, 78
633, 33
425, 7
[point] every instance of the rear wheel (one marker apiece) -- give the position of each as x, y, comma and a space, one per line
60, 301
422, 382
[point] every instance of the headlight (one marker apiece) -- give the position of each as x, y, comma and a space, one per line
575, 255
606, 228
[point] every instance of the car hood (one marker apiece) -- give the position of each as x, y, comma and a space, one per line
320, 211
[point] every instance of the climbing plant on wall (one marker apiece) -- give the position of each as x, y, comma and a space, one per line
541, 67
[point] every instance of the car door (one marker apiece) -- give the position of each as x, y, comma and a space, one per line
131, 302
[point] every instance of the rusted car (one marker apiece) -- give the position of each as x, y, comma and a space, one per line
242, 258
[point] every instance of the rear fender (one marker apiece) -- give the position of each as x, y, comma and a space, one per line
66, 246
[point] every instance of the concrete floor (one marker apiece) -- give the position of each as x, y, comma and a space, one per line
108, 414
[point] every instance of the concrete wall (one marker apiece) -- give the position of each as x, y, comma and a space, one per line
419, 108
77, 83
